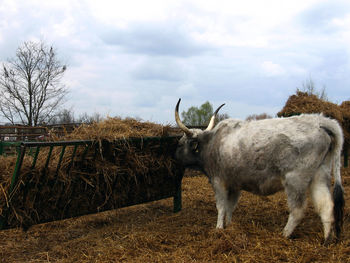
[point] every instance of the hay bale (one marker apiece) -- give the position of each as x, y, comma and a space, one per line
116, 128
303, 102
123, 167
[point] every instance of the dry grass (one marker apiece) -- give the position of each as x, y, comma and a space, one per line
116, 128
152, 233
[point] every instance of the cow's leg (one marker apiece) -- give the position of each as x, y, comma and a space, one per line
295, 187
221, 195
322, 199
295, 215
231, 203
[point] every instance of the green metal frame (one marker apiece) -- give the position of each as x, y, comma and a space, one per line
177, 197
23, 146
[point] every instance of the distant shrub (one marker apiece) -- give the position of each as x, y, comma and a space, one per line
261, 116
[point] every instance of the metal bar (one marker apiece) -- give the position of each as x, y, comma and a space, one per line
155, 138
60, 159
35, 158
60, 143
48, 157
20, 157
85, 152
177, 201
18, 166
72, 158
18, 149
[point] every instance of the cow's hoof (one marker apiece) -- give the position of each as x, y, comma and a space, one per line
328, 241
293, 236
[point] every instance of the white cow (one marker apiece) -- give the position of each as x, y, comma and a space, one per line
297, 154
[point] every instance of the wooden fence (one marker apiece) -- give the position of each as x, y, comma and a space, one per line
15, 133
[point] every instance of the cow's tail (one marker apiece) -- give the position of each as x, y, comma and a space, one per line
335, 132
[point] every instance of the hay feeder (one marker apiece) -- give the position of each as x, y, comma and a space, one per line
63, 179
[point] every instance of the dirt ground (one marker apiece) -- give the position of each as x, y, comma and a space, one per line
153, 233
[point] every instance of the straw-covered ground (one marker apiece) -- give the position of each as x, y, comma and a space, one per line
152, 233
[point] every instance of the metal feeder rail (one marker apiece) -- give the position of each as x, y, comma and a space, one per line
33, 149
21, 148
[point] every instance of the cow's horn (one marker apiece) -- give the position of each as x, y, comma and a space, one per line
179, 122
212, 120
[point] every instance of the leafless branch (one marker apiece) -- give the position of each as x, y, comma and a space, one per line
30, 85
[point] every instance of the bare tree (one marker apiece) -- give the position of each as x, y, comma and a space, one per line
222, 116
86, 118
310, 88
65, 116
30, 87
257, 117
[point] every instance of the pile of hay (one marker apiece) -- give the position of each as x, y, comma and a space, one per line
116, 128
122, 167
345, 108
303, 102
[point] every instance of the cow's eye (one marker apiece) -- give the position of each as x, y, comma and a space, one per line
194, 145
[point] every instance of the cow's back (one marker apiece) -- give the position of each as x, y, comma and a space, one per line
255, 155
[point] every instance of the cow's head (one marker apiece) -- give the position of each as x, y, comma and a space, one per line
191, 143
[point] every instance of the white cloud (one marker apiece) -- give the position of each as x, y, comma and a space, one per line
138, 57
187, 90
160, 68
120, 13
154, 39
272, 69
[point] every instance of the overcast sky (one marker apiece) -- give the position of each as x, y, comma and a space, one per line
136, 58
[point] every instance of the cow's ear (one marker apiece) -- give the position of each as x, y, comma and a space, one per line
194, 145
